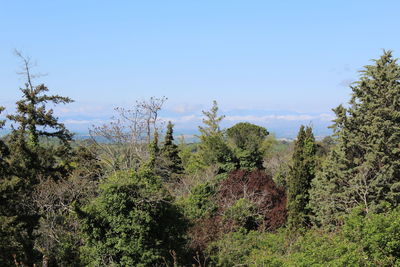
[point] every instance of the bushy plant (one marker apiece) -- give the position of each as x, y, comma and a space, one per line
133, 222
244, 213
378, 235
200, 201
233, 248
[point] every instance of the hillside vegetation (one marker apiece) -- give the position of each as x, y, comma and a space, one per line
133, 195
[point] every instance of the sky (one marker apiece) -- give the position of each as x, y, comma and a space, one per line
278, 64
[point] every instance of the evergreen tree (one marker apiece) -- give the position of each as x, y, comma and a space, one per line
212, 121
246, 140
7, 244
154, 152
3, 151
32, 154
301, 174
39, 149
170, 153
364, 168
213, 149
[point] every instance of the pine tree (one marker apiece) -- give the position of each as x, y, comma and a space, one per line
170, 153
39, 149
212, 121
301, 174
36, 123
246, 141
364, 168
213, 149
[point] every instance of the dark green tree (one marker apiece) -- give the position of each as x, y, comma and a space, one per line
247, 140
4, 152
301, 174
154, 153
7, 244
170, 153
39, 149
364, 168
40, 143
132, 222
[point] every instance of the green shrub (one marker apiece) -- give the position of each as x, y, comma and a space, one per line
378, 235
200, 202
233, 248
132, 222
243, 213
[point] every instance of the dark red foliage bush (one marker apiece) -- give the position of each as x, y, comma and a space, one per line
256, 186
260, 189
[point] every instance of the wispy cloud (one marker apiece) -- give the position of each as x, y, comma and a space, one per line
83, 122
184, 108
182, 119
268, 118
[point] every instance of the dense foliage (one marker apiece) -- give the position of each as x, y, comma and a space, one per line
132, 222
364, 168
300, 177
237, 197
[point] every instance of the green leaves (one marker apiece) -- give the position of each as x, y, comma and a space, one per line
246, 140
365, 166
301, 174
170, 154
132, 222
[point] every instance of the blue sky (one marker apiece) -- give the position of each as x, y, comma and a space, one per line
275, 63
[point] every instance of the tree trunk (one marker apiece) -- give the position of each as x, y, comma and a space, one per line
45, 261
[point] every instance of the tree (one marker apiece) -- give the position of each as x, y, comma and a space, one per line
124, 142
132, 222
212, 121
7, 244
246, 140
35, 124
213, 149
364, 168
40, 149
301, 174
4, 152
170, 154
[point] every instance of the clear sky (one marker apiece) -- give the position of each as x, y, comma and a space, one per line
284, 56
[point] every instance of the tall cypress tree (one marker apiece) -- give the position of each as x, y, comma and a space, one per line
154, 152
301, 174
170, 152
364, 168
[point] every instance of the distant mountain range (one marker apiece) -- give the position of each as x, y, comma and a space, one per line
284, 124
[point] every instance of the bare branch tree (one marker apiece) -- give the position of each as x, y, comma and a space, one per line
124, 142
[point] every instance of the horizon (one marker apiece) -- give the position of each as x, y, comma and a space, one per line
277, 65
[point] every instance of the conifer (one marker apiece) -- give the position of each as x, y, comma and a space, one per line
364, 168
39, 150
170, 152
213, 149
301, 174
